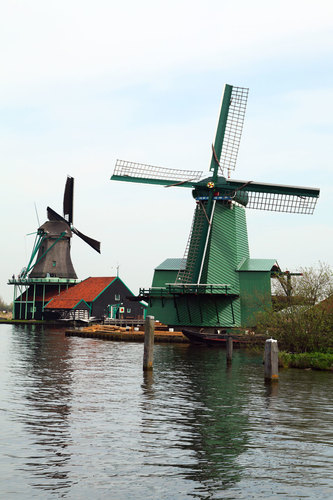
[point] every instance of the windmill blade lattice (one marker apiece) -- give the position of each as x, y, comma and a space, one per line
187, 267
275, 197
140, 172
275, 202
227, 142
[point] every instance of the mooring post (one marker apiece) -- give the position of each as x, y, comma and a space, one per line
271, 360
229, 348
148, 351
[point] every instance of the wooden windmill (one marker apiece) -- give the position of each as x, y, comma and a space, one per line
53, 241
50, 269
216, 283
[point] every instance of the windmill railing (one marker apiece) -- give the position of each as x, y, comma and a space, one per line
30, 281
188, 289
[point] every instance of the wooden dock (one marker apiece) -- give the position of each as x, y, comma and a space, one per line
113, 332
162, 334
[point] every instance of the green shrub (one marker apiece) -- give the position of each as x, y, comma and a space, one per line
313, 360
299, 328
305, 325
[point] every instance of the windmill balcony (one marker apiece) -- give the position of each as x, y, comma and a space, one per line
188, 289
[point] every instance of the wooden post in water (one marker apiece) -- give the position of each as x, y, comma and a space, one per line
229, 348
148, 350
271, 360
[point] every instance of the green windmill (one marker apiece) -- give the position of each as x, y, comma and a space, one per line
217, 284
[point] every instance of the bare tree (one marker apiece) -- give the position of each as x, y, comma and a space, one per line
302, 324
309, 285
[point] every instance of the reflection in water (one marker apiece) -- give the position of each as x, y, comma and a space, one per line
148, 385
204, 424
80, 419
271, 390
218, 418
43, 360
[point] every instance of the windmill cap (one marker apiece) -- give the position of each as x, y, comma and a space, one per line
55, 228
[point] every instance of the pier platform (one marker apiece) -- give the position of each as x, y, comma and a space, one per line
110, 332
162, 334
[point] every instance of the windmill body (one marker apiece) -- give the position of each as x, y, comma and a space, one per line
54, 258
217, 284
49, 270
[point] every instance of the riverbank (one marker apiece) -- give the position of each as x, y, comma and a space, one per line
26, 322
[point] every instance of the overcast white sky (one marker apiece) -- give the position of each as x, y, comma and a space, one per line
83, 83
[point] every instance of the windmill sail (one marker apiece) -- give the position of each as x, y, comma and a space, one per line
229, 129
68, 211
149, 174
93, 243
68, 200
273, 197
53, 215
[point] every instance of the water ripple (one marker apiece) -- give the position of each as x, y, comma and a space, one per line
79, 418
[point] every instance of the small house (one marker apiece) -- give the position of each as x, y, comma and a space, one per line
98, 297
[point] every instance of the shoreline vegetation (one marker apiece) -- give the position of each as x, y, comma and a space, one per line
307, 360
302, 319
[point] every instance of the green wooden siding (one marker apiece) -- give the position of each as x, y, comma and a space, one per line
198, 311
161, 277
228, 246
255, 295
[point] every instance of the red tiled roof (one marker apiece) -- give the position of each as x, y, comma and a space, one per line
62, 303
53, 292
87, 290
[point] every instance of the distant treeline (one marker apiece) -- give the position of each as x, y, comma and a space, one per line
4, 306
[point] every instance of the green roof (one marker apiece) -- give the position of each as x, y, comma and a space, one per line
171, 265
258, 265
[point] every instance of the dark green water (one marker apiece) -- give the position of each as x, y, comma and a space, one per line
80, 420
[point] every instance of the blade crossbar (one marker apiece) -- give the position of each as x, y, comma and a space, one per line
234, 128
144, 171
261, 187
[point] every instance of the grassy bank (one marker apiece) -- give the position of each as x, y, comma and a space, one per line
307, 360
11, 321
